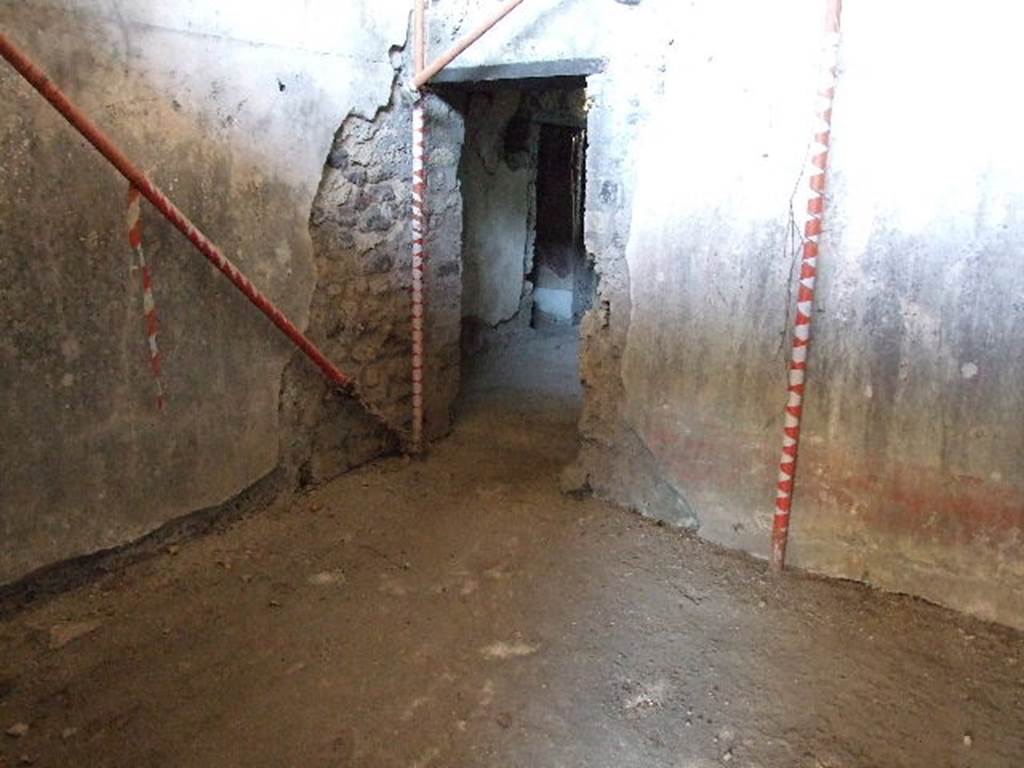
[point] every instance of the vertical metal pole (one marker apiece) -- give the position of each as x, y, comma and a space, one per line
420, 36
805, 293
419, 226
419, 185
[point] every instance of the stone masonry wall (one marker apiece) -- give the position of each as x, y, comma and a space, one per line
361, 233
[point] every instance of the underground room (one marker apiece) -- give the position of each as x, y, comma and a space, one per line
511, 383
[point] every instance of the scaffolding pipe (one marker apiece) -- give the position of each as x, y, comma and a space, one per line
456, 50
805, 293
92, 133
420, 36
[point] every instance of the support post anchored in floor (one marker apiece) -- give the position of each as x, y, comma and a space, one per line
805, 292
419, 222
419, 189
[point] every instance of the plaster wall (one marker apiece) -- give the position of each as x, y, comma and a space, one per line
914, 470
232, 108
911, 473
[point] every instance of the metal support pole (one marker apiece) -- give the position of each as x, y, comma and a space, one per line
805, 293
420, 36
419, 227
419, 234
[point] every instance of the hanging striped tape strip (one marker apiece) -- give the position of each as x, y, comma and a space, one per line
148, 304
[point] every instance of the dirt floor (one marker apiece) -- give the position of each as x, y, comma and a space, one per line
460, 612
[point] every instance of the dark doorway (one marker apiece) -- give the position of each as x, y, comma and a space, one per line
526, 281
561, 276
523, 177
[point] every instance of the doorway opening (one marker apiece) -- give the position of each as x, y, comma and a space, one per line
562, 278
526, 277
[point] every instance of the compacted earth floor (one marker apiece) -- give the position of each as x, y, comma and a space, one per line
459, 611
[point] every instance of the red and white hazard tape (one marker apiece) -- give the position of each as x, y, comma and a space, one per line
134, 221
419, 229
805, 292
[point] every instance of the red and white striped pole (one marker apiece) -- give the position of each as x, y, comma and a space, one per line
419, 186
134, 221
419, 227
805, 293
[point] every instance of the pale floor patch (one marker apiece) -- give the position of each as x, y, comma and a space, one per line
62, 634
646, 696
503, 650
325, 578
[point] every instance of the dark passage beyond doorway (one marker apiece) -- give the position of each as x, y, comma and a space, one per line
522, 175
563, 280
